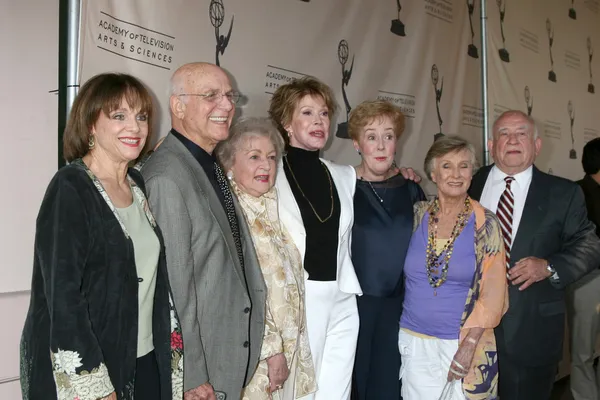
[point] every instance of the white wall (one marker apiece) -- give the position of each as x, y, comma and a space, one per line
28, 157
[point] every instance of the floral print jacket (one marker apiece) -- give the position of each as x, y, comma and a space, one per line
285, 325
80, 336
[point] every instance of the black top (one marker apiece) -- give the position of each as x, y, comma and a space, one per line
591, 192
309, 176
84, 292
382, 232
207, 162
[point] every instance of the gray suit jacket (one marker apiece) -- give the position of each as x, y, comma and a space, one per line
222, 312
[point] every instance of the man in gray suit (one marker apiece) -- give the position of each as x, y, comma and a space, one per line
217, 284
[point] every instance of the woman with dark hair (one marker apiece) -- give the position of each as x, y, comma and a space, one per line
101, 322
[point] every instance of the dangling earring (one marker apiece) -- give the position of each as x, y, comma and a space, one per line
289, 133
229, 174
91, 142
358, 151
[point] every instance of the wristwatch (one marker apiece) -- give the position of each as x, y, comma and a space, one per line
553, 274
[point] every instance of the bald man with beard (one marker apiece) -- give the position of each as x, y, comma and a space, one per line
216, 280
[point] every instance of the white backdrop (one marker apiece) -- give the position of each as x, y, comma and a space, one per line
268, 42
528, 26
28, 158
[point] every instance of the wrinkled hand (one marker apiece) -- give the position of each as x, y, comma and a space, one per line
112, 396
278, 371
528, 271
202, 392
410, 174
460, 365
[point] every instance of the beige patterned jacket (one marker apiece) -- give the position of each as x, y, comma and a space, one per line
285, 325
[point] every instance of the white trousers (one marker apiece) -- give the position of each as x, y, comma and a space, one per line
425, 366
332, 326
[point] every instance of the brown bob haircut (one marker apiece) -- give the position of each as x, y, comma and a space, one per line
286, 99
367, 111
103, 93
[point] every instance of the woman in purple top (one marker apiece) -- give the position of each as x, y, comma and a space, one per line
455, 286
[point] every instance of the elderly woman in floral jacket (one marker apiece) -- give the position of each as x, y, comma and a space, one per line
285, 370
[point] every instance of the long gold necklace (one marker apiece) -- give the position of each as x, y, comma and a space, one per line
436, 260
322, 220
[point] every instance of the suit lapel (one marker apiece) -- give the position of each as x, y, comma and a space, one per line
478, 182
536, 206
289, 213
216, 208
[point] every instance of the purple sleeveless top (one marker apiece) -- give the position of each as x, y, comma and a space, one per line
439, 316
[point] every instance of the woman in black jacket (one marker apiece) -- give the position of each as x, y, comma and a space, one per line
101, 322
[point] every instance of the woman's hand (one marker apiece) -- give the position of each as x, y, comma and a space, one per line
112, 396
460, 365
278, 371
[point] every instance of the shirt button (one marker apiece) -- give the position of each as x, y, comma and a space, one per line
246, 344
246, 310
140, 280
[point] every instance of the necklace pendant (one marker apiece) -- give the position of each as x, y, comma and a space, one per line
435, 292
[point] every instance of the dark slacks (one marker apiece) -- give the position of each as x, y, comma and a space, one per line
147, 380
519, 382
377, 363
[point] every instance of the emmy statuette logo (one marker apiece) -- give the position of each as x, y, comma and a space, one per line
590, 49
343, 51
504, 56
571, 111
550, 31
216, 12
397, 27
572, 12
472, 49
435, 76
528, 100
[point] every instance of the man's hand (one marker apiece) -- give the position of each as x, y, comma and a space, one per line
202, 392
528, 271
278, 371
410, 174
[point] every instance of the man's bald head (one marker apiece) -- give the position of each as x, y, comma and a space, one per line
199, 104
187, 74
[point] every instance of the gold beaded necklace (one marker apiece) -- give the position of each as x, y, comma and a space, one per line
435, 261
322, 220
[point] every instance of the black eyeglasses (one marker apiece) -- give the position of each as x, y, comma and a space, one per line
214, 97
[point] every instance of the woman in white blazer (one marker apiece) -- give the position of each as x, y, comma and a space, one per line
316, 207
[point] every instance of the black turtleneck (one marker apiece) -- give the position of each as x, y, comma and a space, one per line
306, 174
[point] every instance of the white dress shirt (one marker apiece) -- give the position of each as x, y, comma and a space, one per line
494, 187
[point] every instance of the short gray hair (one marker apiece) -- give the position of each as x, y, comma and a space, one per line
244, 128
507, 113
446, 145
